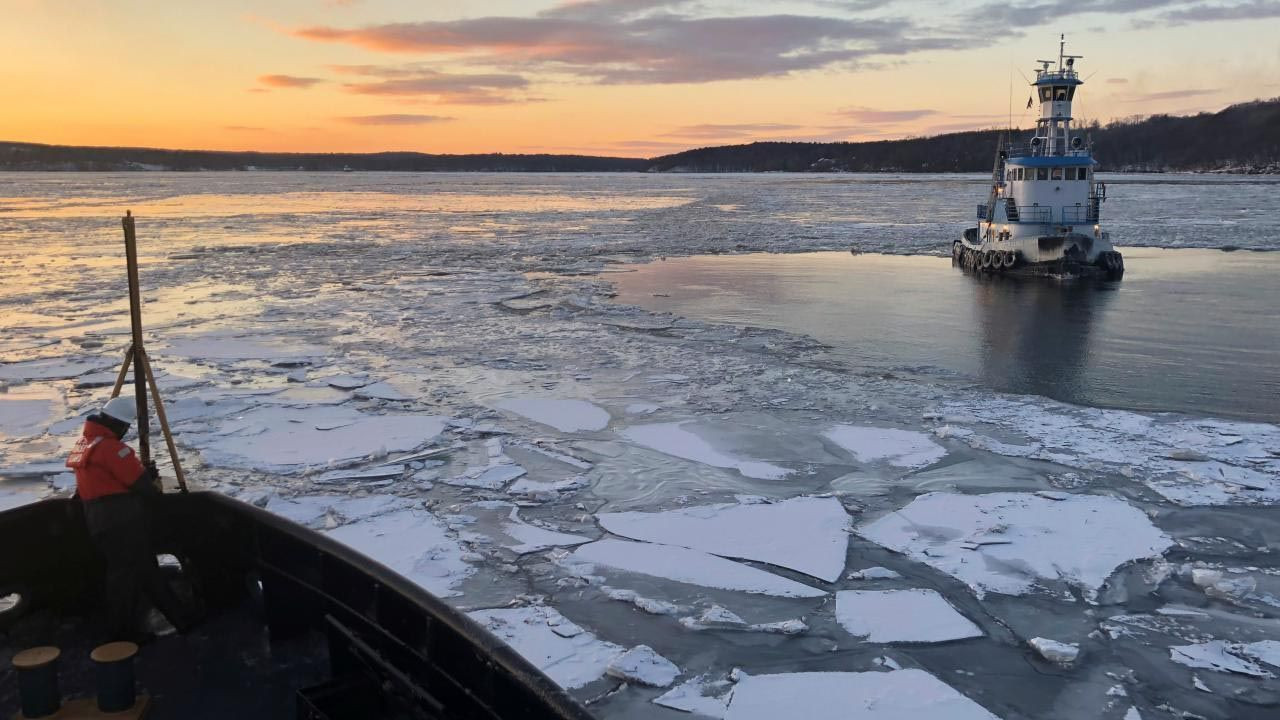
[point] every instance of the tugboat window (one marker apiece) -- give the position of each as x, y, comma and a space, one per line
1046, 94
1057, 173
1042, 173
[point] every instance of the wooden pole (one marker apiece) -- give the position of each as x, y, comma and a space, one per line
135, 317
164, 423
124, 370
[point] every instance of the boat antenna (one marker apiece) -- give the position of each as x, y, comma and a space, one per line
136, 355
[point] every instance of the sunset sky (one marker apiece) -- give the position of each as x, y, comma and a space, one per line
618, 77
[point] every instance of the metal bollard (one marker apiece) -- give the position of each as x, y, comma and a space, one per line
38, 681
114, 662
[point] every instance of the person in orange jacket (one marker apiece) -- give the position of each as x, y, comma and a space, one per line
112, 484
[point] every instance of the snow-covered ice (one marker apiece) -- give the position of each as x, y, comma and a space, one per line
701, 695
562, 414
875, 573
689, 566
1227, 657
413, 543
901, 616
895, 695
806, 534
677, 440
28, 411
286, 439
572, 661
1012, 542
901, 448
642, 664
1055, 651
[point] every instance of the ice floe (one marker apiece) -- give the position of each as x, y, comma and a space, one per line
699, 696
413, 543
563, 415
894, 695
642, 664
675, 440
1010, 542
901, 448
688, 566
806, 534
875, 573
1227, 657
284, 439
500, 523
59, 368
1055, 652
572, 659
901, 616
28, 411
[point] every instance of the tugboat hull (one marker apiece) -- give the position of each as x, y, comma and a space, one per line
1060, 255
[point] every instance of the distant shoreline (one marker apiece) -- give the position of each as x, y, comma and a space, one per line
1242, 139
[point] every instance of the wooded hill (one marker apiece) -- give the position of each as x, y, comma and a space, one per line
1242, 138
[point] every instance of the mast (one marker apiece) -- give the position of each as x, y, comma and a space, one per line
135, 319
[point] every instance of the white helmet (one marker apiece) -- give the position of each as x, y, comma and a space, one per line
123, 408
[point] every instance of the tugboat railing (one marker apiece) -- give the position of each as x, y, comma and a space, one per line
1028, 150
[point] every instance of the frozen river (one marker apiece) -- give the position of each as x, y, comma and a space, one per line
672, 512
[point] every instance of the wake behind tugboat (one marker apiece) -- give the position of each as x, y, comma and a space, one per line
1044, 196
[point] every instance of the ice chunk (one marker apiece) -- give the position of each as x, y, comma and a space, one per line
641, 664
1054, 651
699, 696
914, 615
492, 477
500, 522
314, 510
689, 566
649, 605
60, 368
346, 382
901, 448
806, 534
413, 543
1132, 714
28, 412
546, 488
283, 439
571, 662
895, 695
1219, 656
875, 573
1080, 540
1267, 651
714, 617
673, 439
380, 391
563, 415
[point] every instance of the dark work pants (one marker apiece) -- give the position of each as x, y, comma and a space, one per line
120, 532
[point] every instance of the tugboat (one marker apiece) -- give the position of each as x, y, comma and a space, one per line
1042, 214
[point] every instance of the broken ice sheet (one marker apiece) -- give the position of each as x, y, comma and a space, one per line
1008, 542
314, 511
642, 664
895, 695
283, 439
688, 566
221, 346
561, 414
500, 523
806, 534
413, 543
28, 411
907, 616
901, 448
675, 440
699, 696
572, 661
1222, 656
59, 368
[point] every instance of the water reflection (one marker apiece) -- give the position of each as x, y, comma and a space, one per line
1036, 336
1193, 331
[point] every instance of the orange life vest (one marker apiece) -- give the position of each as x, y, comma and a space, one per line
103, 464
